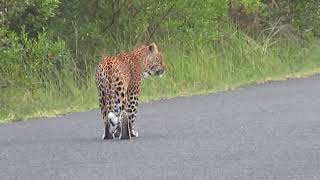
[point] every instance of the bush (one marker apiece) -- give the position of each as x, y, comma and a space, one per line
256, 15
25, 60
30, 16
11, 58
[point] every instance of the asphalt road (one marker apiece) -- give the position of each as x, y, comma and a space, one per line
269, 131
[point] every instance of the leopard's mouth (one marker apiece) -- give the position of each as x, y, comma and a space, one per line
161, 75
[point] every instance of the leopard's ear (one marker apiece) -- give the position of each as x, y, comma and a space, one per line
153, 48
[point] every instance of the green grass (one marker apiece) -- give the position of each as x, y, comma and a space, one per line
225, 64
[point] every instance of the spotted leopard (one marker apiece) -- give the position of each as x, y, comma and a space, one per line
118, 79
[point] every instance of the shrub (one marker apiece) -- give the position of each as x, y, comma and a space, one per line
25, 60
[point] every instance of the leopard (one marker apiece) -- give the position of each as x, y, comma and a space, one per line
118, 79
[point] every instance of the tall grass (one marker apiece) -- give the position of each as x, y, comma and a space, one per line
230, 62
225, 63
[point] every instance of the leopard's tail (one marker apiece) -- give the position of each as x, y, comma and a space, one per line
114, 121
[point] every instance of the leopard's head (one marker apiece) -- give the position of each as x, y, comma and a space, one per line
154, 63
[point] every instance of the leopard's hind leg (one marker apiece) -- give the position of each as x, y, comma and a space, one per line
108, 134
125, 127
105, 101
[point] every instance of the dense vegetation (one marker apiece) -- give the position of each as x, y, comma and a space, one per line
49, 48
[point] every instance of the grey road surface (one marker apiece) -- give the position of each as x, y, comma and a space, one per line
269, 131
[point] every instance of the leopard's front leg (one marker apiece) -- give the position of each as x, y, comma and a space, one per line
132, 110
